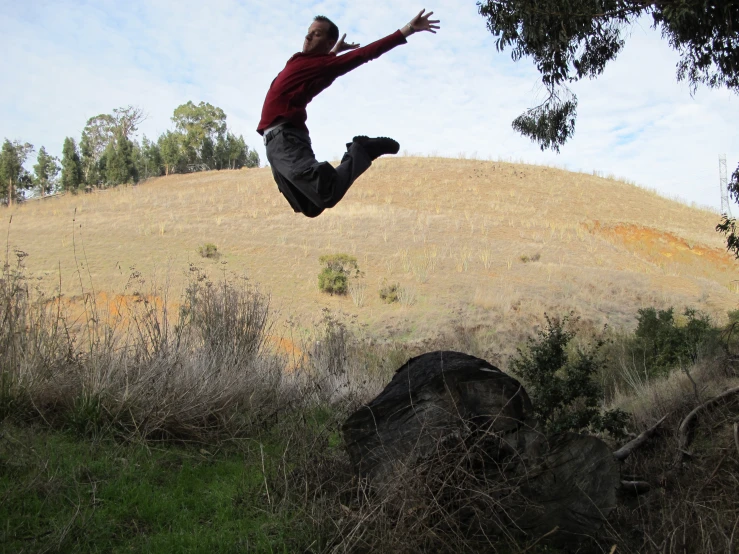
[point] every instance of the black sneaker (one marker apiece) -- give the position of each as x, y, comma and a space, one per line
376, 147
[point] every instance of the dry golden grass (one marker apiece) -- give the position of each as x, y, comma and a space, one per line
455, 234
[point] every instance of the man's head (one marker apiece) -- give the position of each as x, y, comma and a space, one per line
322, 36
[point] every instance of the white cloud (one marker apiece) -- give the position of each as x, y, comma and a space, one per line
445, 94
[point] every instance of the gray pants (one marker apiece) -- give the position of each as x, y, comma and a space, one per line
308, 185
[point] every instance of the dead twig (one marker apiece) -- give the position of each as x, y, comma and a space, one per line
635, 487
736, 436
687, 423
625, 451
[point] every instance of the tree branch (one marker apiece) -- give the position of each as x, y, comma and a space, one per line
625, 451
687, 423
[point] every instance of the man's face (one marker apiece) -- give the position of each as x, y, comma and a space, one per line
317, 41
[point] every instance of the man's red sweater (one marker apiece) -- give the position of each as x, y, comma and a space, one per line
306, 75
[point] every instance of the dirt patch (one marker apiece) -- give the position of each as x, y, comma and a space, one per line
662, 247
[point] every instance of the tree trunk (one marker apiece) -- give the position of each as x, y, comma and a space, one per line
11, 193
466, 427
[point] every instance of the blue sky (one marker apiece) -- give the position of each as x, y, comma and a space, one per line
445, 94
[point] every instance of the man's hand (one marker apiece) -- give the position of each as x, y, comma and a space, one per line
342, 46
421, 23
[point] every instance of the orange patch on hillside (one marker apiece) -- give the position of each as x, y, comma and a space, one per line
116, 309
660, 245
296, 357
119, 310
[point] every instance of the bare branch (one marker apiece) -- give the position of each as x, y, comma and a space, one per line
635, 487
625, 451
687, 423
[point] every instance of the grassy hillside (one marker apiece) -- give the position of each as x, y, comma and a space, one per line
129, 430
470, 243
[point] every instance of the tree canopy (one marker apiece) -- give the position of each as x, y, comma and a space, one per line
109, 154
569, 40
71, 166
13, 176
45, 172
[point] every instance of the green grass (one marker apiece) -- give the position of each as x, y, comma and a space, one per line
62, 493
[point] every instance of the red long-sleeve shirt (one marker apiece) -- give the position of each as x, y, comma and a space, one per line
306, 75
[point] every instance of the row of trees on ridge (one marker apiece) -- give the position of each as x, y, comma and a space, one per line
109, 154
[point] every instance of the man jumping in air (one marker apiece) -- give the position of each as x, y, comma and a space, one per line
308, 185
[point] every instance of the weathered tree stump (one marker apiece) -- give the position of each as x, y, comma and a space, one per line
445, 404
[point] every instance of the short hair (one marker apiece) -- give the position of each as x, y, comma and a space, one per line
333, 30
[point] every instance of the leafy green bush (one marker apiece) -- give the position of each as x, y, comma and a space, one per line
665, 344
336, 271
389, 293
561, 382
209, 250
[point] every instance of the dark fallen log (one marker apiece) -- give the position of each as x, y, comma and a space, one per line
625, 451
436, 396
684, 431
466, 427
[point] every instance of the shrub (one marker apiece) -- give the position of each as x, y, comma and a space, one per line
664, 344
526, 259
390, 293
336, 271
561, 383
209, 250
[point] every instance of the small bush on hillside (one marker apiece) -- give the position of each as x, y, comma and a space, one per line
562, 384
209, 250
390, 293
665, 344
526, 259
336, 272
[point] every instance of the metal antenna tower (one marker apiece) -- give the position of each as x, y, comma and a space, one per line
725, 206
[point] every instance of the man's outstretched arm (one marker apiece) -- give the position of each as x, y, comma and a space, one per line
358, 56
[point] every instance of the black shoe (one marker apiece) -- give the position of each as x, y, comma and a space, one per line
376, 147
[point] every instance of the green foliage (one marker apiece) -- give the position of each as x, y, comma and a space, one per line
727, 226
120, 164
65, 494
561, 382
569, 41
45, 172
96, 137
71, 167
209, 250
550, 124
233, 153
13, 176
389, 292
170, 148
664, 344
336, 271
200, 126
101, 140
148, 159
